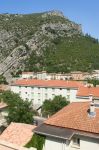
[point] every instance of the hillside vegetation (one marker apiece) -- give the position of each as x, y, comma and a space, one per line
45, 41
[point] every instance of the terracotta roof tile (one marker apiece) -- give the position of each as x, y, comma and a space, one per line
75, 116
86, 91
18, 133
48, 83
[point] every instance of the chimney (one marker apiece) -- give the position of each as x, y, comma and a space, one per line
92, 112
91, 97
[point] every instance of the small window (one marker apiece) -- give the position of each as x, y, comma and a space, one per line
53, 90
76, 141
60, 88
38, 100
53, 95
68, 97
25, 92
68, 90
39, 95
46, 89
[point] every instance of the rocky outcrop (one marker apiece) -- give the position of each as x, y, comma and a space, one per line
13, 53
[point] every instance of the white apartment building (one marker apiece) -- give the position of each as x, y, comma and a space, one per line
74, 127
40, 90
27, 75
45, 76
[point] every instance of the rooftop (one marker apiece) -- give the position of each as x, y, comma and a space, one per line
47, 83
18, 133
86, 91
75, 116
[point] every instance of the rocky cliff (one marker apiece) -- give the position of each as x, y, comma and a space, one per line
29, 40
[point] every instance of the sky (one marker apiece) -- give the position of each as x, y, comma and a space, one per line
84, 12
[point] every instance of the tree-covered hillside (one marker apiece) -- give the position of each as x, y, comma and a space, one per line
67, 54
45, 41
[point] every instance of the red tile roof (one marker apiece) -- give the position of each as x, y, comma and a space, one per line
18, 133
75, 116
48, 83
86, 91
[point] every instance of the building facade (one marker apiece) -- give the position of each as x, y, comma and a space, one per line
72, 128
40, 90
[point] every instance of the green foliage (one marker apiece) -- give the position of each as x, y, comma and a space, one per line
3, 80
94, 82
37, 141
64, 51
76, 53
50, 107
18, 109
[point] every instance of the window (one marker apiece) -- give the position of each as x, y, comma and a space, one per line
53, 90
68, 90
38, 95
19, 92
76, 142
53, 95
25, 92
38, 100
45, 89
68, 97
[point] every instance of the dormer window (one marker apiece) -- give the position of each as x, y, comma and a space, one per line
76, 142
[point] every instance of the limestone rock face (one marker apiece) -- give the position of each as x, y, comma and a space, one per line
20, 35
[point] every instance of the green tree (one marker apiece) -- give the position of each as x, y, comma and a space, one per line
50, 107
18, 109
95, 82
3, 80
37, 141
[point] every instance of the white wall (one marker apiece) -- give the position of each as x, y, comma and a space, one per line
39, 94
55, 144
27, 76
89, 144
86, 143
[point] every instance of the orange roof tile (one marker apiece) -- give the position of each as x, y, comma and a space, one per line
48, 83
86, 91
75, 116
18, 133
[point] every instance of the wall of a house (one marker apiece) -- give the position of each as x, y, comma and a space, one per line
86, 143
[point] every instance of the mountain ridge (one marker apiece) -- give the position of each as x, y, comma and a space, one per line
42, 41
